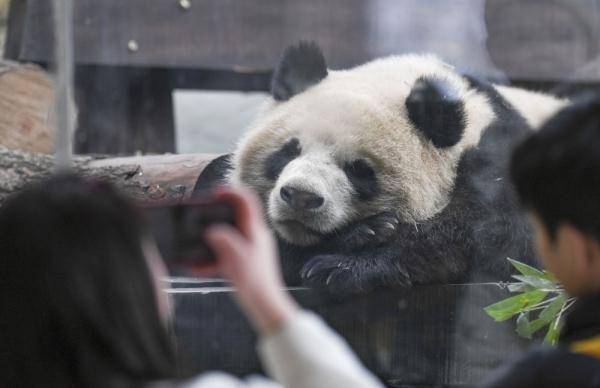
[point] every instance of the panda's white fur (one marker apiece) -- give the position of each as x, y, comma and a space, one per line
360, 113
535, 107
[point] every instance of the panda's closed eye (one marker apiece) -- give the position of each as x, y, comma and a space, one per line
277, 161
362, 177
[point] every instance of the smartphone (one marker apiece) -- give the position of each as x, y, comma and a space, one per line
178, 229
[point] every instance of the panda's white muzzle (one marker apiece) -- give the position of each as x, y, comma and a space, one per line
311, 197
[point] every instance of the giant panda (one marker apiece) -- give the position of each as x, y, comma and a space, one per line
389, 174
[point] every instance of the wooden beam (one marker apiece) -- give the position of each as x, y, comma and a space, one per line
527, 38
213, 34
143, 178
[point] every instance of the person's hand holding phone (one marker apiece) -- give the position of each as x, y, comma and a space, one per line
247, 257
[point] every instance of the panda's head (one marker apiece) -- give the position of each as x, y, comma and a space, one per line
334, 147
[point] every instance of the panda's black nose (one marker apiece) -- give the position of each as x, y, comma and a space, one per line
300, 199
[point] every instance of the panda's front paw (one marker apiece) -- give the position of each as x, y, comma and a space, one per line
337, 274
373, 230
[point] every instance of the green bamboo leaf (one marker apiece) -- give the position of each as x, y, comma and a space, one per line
524, 325
528, 270
536, 325
520, 287
508, 307
534, 286
550, 312
527, 328
551, 337
537, 282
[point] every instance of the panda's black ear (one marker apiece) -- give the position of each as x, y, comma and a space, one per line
301, 66
435, 108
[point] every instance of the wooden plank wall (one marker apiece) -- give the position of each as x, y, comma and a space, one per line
528, 38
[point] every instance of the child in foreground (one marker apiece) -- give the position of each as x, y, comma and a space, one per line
557, 176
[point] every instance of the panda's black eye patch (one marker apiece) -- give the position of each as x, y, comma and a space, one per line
363, 178
277, 161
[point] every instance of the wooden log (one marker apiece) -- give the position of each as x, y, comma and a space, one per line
157, 177
26, 103
144, 178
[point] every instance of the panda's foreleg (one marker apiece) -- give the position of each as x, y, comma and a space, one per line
371, 231
436, 251
432, 254
342, 274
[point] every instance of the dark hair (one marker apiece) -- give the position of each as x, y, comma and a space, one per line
556, 171
79, 305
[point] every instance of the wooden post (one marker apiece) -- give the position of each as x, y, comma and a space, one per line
123, 110
26, 101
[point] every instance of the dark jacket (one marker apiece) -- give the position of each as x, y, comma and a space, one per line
575, 362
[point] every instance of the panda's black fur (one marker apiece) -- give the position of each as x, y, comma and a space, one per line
434, 109
469, 240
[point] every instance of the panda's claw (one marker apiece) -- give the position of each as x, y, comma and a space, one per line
389, 218
333, 273
348, 274
369, 232
329, 278
389, 225
313, 267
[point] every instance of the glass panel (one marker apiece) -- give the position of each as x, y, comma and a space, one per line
386, 183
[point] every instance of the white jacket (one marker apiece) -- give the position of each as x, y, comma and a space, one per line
304, 353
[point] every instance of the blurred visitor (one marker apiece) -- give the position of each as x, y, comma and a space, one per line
82, 305
556, 172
